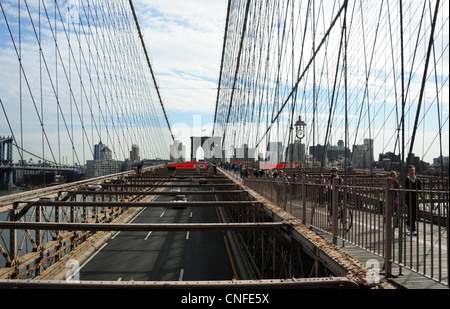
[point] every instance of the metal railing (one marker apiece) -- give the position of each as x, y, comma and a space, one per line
370, 217
26, 252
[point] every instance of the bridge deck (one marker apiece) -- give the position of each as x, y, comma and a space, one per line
347, 261
401, 276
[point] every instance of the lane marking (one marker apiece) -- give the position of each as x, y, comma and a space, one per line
162, 214
230, 256
136, 216
131, 221
90, 258
187, 235
148, 235
180, 278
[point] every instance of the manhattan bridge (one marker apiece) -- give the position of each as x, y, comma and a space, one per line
79, 89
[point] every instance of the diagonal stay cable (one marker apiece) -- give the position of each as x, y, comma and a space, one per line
422, 88
237, 68
294, 89
150, 67
28, 85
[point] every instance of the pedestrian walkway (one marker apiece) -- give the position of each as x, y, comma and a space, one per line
401, 276
365, 241
404, 278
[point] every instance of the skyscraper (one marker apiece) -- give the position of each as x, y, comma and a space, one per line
134, 153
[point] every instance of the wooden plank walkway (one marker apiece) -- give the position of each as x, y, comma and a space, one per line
407, 279
413, 246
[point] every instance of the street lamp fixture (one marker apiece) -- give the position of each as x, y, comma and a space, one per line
300, 128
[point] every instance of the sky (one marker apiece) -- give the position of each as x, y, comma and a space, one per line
184, 40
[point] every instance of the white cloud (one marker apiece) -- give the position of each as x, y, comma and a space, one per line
184, 39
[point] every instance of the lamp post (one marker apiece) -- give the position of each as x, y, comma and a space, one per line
300, 126
300, 134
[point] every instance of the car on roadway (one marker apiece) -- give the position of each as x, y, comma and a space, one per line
174, 191
179, 199
94, 187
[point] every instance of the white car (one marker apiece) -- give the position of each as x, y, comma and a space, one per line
175, 191
94, 187
180, 199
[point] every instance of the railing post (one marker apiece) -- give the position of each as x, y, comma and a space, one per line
271, 190
388, 204
303, 201
38, 240
335, 209
13, 242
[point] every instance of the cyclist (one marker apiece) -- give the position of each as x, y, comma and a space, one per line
334, 174
344, 214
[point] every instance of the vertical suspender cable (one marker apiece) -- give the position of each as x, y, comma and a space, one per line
150, 67
237, 69
221, 65
424, 79
294, 89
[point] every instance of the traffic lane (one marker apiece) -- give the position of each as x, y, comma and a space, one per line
164, 256
141, 256
206, 256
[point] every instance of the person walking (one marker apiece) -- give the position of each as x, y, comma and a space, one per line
282, 183
395, 185
413, 186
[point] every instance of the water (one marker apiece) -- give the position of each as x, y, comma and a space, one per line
24, 244
4, 234
9, 192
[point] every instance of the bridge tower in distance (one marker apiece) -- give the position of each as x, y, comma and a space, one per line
6, 161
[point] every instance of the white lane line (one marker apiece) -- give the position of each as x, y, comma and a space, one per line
148, 235
131, 221
120, 279
90, 258
162, 214
187, 235
136, 216
191, 214
180, 278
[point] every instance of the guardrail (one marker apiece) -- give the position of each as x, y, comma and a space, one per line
25, 252
370, 217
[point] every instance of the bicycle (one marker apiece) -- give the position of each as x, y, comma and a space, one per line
345, 215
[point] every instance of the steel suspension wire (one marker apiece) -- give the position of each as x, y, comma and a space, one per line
424, 78
150, 67
355, 71
83, 78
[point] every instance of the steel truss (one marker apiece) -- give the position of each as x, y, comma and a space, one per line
273, 253
53, 225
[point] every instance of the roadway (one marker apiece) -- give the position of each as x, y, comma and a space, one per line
164, 256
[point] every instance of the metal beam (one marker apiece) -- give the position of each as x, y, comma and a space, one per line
195, 185
141, 227
143, 204
158, 192
294, 283
211, 181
